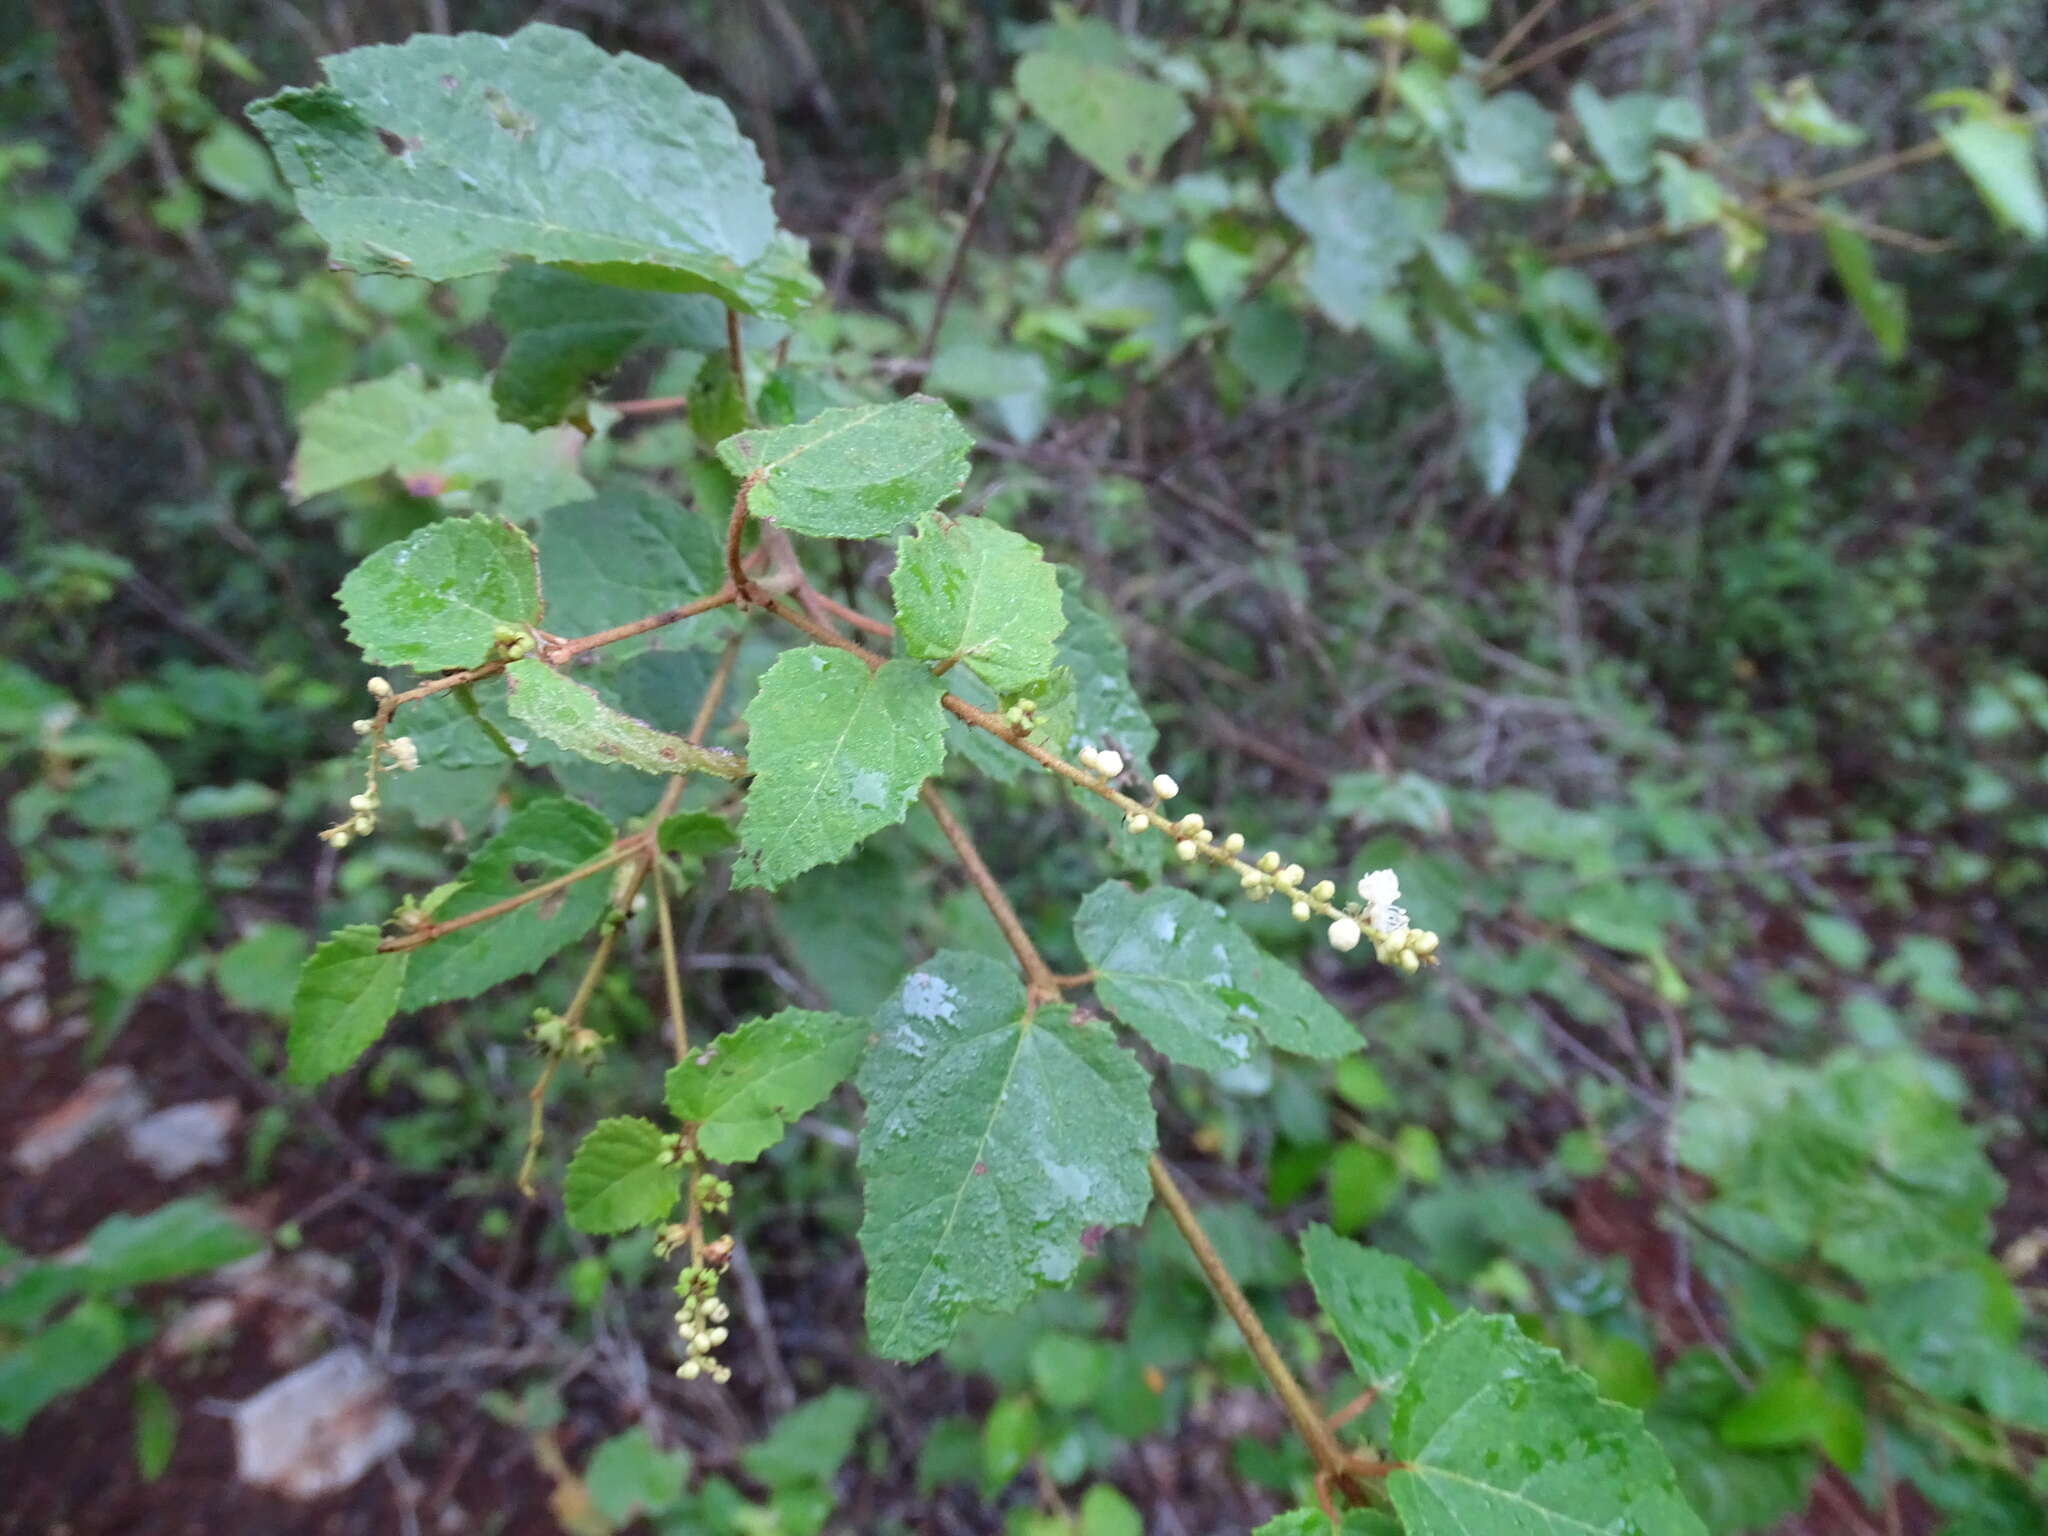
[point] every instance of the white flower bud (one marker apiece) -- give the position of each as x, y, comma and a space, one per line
1322, 890
338, 838
1109, 764
1204, 836
379, 688
1345, 934
1302, 911
1187, 848
1292, 875
362, 802
1410, 963
362, 727
1164, 787
1422, 941
1234, 843
1136, 823
1090, 758
1269, 861
690, 1370
1253, 881
716, 1337
1191, 823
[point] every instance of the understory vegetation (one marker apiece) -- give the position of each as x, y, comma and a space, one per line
1077, 769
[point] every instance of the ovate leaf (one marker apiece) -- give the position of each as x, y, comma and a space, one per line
973, 591
1502, 144
855, 472
1881, 304
625, 554
1622, 130
742, 1088
346, 995
837, 752
450, 156
183, 1237
1107, 711
994, 1139
1194, 984
1497, 1433
1119, 122
542, 839
565, 332
573, 716
1380, 1307
1996, 152
439, 440
1360, 228
58, 1359
436, 600
617, 1179
1489, 371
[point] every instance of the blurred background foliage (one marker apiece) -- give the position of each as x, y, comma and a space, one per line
1499, 465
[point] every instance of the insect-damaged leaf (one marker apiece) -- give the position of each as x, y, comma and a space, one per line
449, 156
994, 1138
971, 589
573, 716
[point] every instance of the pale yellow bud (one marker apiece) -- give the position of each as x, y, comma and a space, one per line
1136, 822
1302, 911
1109, 764
379, 688
1345, 934
1164, 787
1322, 890
1269, 861
1292, 874
1234, 843
1187, 848
1410, 962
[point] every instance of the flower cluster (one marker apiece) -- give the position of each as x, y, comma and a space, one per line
559, 1036
396, 752
1377, 913
701, 1319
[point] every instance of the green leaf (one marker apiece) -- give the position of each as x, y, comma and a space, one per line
60, 1359
346, 995
743, 1087
1688, 198
1564, 306
565, 332
184, 1237
1106, 1512
855, 472
438, 440
1269, 344
837, 752
1107, 709
1363, 1182
1793, 1406
1380, 1307
450, 156
1501, 146
259, 971
696, 834
1407, 799
1361, 230
1800, 110
626, 554
1119, 122
436, 601
971, 590
629, 1476
811, 1442
1195, 985
1881, 304
156, 1429
617, 1179
994, 1138
1622, 130
1497, 1433
1732, 1491
541, 840
570, 715
1489, 371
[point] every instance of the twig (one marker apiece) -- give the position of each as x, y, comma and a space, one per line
1512, 38
736, 354
618, 853
1043, 984
991, 167
1592, 31
564, 650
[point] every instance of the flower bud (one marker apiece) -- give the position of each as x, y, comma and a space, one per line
362, 727
1292, 875
1164, 787
1302, 911
1089, 758
1410, 962
338, 838
1345, 934
1269, 861
1191, 823
1187, 848
1136, 822
1234, 843
1322, 890
1422, 941
1109, 764
379, 688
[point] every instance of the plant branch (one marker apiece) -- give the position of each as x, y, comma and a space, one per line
736, 354
563, 650
1592, 31
1512, 38
1042, 984
1330, 1459
618, 853
991, 168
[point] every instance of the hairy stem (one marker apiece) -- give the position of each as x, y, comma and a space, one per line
618, 853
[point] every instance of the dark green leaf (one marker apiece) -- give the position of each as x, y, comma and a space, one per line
743, 1087
629, 553
1380, 1307
1119, 122
346, 995
59, 1359
618, 1180
184, 1237
565, 332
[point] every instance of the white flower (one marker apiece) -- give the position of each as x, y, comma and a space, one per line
1380, 890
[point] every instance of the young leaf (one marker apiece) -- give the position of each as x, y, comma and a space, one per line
1488, 372
58, 1359
156, 1429
573, 716
183, 1237
629, 1476
811, 1442
994, 1138
1118, 122
627, 553
542, 839
346, 995
1495, 1432
1622, 130
1996, 151
743, 1087
617, 1180
837, 752
450, 156
1192, 982
973, 591
436, 439
856, 472
564, 332
1380, 1307
436, 601
1881, 304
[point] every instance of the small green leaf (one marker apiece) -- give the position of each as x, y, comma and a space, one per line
1622, 130
570, 715
629, 1476
1380, 1307
1496, 1433
811, 1442
1489, 371
1106, 1512
438, 440
565, 332
1194, 984
743, 1087
1791, 1405
1501, 146
837, 752
436, 601
156, 1429
696, 834
540, 840
625, 554
1361, 230
260, 970
856, 472
1800, 110
1119, 122
184, 1237
59, 1359
617, 1179
346, 995
1363, 1182
973, 591
450, 156
1881, 304
1688, 198
994, 1138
